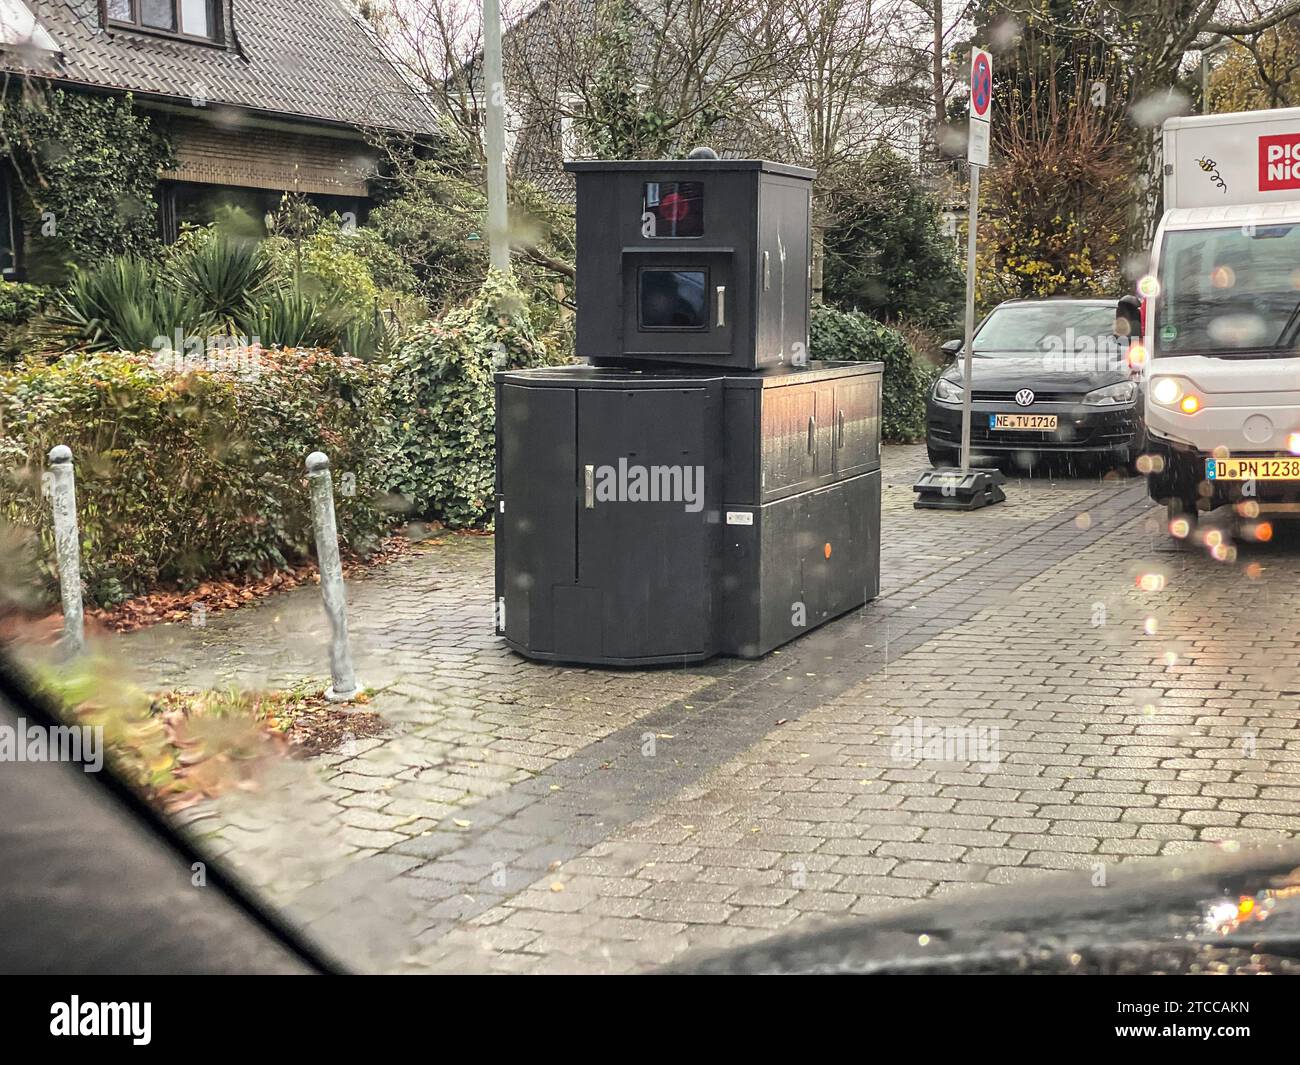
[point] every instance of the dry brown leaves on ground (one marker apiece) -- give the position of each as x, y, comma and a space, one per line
222, 740
215, 596
180, 747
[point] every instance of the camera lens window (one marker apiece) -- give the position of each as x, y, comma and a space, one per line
674, 299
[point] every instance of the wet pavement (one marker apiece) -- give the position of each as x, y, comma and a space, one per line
1047, 685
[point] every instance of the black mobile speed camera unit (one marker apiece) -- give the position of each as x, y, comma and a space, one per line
700, 486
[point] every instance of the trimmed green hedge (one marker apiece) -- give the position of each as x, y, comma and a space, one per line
186, 475
856, 337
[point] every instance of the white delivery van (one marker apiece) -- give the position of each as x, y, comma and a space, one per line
1220, 316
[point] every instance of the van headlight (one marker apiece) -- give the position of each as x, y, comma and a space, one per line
1176, 393
1166, 390
1112, 395
946, 391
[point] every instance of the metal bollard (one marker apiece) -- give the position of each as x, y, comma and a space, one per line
67, 545
345, 685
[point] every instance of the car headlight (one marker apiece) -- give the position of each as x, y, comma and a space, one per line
1176, 393
1112, 395
947, 392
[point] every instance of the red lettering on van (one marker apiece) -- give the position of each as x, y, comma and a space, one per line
1279, 162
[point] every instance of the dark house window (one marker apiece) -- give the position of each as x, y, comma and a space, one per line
182, 202
184, 18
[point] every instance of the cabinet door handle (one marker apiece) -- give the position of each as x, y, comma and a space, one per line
589, 486
812, 431
722, 305
841, 427
767, 271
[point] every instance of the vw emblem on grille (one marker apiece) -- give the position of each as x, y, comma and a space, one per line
1025, 397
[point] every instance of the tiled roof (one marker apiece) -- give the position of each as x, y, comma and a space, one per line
315, 59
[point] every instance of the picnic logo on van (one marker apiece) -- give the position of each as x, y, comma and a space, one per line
1279, 162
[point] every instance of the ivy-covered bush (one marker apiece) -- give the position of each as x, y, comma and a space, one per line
19, 301
87, 168
441, 453
187, 475
837, 335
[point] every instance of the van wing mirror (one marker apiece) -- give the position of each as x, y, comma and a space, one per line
951, 348
1128, 317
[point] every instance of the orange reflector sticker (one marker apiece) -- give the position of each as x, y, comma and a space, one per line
828, 550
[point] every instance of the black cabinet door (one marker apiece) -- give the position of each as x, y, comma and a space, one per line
838, 544
536, 518
788, 428
644, 535
857, 425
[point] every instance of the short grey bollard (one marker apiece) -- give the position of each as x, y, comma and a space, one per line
345, 685
67, 545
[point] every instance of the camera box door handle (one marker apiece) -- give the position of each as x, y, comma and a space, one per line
589, 486
722, 305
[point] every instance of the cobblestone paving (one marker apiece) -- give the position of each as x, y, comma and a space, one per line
523, 817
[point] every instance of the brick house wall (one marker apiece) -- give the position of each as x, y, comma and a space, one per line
267, 158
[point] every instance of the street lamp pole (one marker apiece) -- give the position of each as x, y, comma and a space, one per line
494, 141
1209, 50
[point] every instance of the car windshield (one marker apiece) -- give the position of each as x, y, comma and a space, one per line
1228, 289
501, 533
1047, 326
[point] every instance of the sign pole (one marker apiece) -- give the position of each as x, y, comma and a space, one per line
977, 154
971, 230
964, 488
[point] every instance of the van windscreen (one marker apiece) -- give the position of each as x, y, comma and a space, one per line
1229, 290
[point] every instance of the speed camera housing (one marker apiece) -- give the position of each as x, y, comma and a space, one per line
701, 262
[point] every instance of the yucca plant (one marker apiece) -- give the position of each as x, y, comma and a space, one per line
122, 304
223, 275
285, 316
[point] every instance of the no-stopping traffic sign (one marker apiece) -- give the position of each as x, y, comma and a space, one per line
981, 103
981, 83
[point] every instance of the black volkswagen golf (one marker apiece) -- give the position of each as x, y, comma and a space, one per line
1049, 377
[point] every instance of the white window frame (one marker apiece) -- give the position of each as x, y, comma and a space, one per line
571, 135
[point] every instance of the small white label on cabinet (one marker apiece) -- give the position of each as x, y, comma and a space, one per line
739, 517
